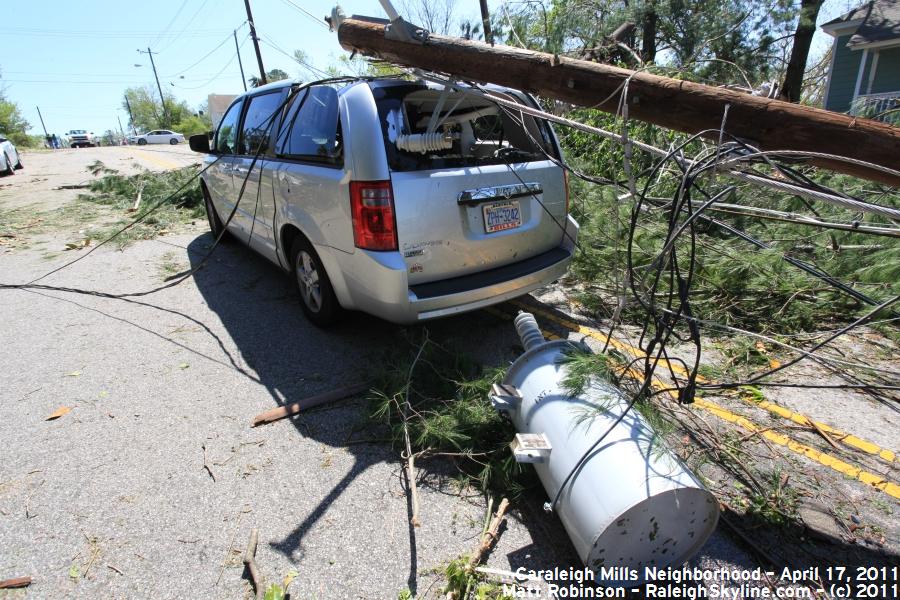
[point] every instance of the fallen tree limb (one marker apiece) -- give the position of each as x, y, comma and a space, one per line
294, 408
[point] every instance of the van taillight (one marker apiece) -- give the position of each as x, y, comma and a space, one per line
566, 184
372, 207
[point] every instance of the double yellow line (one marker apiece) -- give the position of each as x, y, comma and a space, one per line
822, 458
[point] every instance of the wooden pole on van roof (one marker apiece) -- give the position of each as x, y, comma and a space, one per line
680, 105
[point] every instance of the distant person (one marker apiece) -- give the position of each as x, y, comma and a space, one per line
49, 140
54, 142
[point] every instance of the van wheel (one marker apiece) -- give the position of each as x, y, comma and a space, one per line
215, 223
316, 294
9, 167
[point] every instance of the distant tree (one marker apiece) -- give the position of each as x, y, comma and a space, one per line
721, 41
434, 15
148, 113
12, 124
360, 66
193, 125
273, 75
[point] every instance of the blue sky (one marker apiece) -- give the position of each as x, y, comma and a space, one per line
75, 59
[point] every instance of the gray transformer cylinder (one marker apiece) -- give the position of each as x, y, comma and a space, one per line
632, 503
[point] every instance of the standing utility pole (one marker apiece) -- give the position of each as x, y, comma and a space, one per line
130, 115
41, 117
486, 23
240, 64
262, 70
162, 98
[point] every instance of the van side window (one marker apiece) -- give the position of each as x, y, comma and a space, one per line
226, 135
258, 123
312, 130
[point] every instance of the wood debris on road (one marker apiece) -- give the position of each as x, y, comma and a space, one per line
294, 408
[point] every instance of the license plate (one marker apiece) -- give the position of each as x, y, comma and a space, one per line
501, 216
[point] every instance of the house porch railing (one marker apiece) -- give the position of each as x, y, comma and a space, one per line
881, 107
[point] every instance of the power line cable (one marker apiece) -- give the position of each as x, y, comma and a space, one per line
171, 22
306, 12
207, 55
183, 29
106, 34
266, 40
217, 75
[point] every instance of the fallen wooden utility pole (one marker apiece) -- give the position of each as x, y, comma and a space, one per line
680, 105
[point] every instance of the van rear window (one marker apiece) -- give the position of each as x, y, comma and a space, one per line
424, 129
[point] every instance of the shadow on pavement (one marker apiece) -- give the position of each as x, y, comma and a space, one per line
293, 359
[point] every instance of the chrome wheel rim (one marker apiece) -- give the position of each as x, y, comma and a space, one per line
308, 281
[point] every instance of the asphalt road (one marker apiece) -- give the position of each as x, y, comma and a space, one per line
150, 485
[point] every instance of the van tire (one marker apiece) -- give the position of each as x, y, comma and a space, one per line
215, 223
317, 298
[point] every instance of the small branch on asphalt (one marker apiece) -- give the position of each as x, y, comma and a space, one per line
206, 464
822, 432
490, 536
294, 408
15, 582
410, 457
137, 201
411, 475
250, 562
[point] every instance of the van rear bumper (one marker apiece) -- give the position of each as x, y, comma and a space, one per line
461, 294
381, 287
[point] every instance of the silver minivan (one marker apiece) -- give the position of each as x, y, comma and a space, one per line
401, 199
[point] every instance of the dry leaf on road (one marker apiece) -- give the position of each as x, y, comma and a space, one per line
62, 410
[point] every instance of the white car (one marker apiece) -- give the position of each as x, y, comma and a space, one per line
158, 136
9, 157
81, 138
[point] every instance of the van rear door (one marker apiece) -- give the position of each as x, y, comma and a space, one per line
474, 188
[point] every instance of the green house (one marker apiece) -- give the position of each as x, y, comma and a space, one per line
864, 77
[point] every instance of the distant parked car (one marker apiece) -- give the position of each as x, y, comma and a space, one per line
10, 159
81, 138
159, 136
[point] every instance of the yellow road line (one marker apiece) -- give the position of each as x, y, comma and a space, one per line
849, 439
822, 458
156, 160
837, 464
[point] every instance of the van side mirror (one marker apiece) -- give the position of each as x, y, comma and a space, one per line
200, 143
